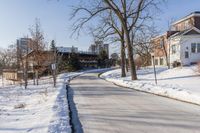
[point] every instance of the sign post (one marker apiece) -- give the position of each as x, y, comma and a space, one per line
154, 68
53, 67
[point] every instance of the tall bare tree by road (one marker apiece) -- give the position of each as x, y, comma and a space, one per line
111, 30
128, 13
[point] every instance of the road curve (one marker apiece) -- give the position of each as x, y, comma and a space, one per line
106, 108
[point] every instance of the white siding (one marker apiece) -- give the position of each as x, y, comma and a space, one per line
184, 45
193, 57
175, 56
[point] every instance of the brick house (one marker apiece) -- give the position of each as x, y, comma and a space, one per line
180, 45
161, 48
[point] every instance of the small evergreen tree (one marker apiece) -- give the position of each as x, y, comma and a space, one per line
73, 63
53, 45
103, 56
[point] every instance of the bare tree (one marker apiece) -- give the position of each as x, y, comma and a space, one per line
143, 43
128, 12
37, 45
167, 49
8, 57
112, 30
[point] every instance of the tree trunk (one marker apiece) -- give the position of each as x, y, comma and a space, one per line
55, 70
130, 55
165, 51
33, 77
25, 78
126, 63
26, 70
123, 59
36, 75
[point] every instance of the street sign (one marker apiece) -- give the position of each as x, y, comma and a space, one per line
53, 66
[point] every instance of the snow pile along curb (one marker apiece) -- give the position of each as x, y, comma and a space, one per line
60, 121
162, 90
38, 109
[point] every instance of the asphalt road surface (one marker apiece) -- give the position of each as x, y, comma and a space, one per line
103, 107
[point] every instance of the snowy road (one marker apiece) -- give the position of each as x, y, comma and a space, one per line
106, 108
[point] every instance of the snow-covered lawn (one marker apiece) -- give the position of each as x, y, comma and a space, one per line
38, 109
181, 83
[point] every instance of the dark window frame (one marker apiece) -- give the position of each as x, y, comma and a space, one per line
156, 61
174, 49
161, 61
193, 47
198, 47
186, 54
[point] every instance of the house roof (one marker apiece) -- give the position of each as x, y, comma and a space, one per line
159, 36
191, 31
38, 52
193, 14
167, 34
9, 70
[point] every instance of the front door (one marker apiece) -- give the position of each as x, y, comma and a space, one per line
186, 60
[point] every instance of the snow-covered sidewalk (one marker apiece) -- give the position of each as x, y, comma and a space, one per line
178, 83
38, 109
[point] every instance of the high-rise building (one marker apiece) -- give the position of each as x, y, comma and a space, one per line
67, 49
106, 48
23, 46
98, 46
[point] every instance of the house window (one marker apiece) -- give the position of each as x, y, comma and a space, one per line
186, 54
193, 47
198, 48
161, 43
173, 49
156, 61
161, 61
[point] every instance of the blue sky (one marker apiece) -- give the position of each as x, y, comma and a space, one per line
16, 16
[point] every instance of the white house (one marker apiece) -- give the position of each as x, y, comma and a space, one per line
184, 47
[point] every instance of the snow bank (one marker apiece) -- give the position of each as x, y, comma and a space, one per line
178, 83
40, 109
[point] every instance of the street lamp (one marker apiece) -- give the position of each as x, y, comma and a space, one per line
154, 68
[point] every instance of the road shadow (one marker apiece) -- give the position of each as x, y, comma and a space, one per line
73, 112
